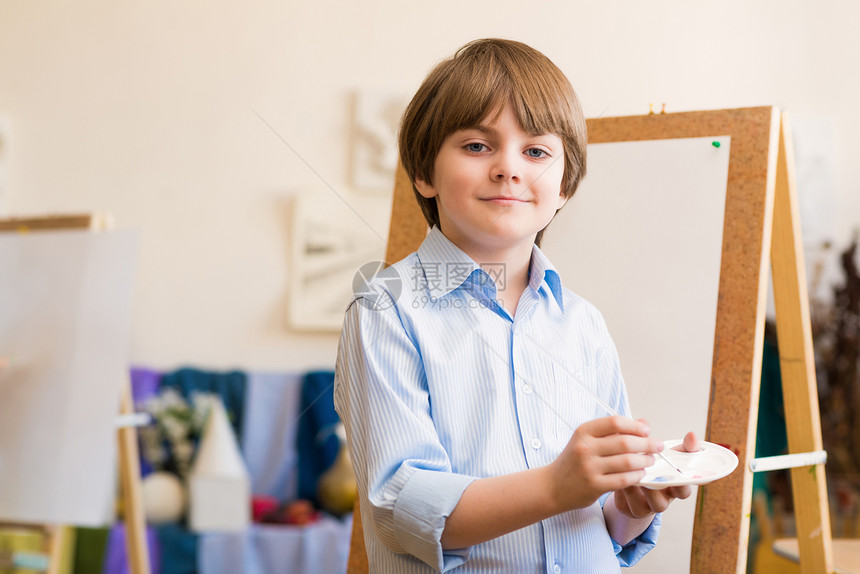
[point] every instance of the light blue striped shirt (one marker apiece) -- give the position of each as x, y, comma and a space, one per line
438, 385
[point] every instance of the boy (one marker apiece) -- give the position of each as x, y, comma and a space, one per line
460, 373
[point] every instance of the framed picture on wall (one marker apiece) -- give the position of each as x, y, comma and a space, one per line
333, 235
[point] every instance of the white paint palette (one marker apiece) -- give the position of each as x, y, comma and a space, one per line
711, 463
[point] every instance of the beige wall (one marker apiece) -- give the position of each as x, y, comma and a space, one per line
147, 110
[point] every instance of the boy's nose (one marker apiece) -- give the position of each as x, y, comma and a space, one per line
504, 169
503, 175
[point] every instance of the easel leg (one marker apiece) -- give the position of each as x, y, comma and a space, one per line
56, 535
797, 365
357, 552
129, 465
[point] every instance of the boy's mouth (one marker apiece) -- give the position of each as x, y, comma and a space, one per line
504, 200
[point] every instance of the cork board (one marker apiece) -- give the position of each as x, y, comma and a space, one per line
408, 227
721, 528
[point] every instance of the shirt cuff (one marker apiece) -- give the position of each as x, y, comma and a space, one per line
633, 551
422, 506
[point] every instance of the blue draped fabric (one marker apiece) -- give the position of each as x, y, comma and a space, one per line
317, 446
178, 549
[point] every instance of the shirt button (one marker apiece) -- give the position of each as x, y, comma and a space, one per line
536, 444
527, 389
578, 375
556, 568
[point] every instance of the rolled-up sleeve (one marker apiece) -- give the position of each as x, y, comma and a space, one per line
404, 475
633, 551
425, 501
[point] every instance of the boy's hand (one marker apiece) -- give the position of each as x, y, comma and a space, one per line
604, 454
639, 502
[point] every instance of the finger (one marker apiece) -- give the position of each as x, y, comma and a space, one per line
616, 424
658, 500
680, 492
691, 443
616, 445
626, 444
625, 463
620, 480
637, 502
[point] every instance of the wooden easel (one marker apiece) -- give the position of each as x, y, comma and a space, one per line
761, 226
129, 463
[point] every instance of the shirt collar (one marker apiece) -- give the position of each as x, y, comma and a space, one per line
542, 272
447, 267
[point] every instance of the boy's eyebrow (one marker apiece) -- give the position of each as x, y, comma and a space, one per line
480, 128
491, 131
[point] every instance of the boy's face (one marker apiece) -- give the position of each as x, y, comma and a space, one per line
495, 185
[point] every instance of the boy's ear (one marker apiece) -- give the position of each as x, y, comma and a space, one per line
425, 189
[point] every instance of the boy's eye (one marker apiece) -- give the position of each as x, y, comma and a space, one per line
535, 152
475, 147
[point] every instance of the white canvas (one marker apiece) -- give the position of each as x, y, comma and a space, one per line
642, 240
65, 304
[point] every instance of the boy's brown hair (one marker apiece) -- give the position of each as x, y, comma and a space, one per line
482, 76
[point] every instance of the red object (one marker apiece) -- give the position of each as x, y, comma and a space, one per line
300, 512
268, 510
263, 507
